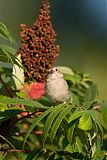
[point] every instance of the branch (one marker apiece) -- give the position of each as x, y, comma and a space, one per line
16, 150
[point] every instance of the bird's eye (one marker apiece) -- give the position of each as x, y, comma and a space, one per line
56, 69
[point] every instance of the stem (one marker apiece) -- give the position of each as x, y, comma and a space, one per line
29, 115
16, 150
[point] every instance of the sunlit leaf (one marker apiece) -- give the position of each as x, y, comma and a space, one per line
69, 78
85, 122
65, 70
3, 107
75, 116
18, 74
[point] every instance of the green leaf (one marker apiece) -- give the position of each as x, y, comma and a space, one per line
4, 66
85, 122
90, 95
35, 154
50, 120
69, 78
70, 132
65, 70
27, 102
97, 118
9, 113
21, 95
10, 49
4, 31
3, 107
58, 121
75, 116
5, 78
104, 114
18, 74
52, 157
35, 122
8, 54
75, 99
79, 145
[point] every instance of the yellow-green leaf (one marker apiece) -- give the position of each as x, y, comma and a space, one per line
85, 122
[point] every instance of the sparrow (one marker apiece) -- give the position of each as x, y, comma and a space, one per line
56, 87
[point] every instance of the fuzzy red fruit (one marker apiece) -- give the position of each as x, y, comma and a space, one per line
35, 90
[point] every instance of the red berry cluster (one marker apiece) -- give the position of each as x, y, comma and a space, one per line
38, 50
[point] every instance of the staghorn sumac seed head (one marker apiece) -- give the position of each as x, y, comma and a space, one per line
38, 46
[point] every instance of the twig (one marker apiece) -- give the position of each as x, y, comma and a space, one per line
16, 150
106, 153
29, 115
38, 132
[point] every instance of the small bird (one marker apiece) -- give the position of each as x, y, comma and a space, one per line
56, 87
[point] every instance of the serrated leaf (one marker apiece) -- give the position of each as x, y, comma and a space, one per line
85, 122
35, 122
27, 102
75, 116
90, 95
58, 121
50, 120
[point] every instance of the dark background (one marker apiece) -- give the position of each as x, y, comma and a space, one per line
81, 27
